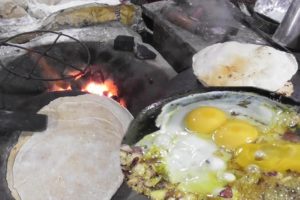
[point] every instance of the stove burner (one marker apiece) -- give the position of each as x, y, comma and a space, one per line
132, 82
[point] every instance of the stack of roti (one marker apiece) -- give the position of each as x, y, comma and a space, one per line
77, 157
239, 64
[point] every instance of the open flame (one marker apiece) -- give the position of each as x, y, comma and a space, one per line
56, 87
108, 88
91, 85
97, 88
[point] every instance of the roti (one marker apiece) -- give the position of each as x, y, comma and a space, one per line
240, 64
76, 158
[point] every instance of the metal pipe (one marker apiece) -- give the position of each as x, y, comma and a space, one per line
288, 32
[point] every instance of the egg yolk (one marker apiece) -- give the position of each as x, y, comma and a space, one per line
204, 120
235, 133
269, 157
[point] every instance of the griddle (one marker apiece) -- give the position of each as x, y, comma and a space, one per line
186, 82
144, 123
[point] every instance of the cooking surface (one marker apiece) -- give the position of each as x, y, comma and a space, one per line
186, 82
144, 123
177, 46
139, 82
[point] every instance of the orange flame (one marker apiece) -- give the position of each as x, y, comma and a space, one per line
108, 88
60, 88
122, 103
97, 88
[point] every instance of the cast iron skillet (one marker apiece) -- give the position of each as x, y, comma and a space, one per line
144, 123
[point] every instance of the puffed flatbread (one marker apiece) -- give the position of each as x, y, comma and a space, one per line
241, 64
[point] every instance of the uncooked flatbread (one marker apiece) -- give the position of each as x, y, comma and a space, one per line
76, 158
238, 64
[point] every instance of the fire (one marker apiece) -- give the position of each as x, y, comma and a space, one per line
91, 85
97, 88
60, 88
108, 88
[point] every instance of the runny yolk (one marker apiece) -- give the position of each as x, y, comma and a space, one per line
269, 157
204, 120
234, 133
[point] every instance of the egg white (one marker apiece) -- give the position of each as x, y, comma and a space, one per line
245, 107
190, 161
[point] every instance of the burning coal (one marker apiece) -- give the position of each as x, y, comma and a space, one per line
105, 88
92, 82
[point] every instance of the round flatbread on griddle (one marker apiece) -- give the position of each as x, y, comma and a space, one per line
77, 157
241, 64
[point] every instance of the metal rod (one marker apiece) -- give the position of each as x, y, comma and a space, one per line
81, 71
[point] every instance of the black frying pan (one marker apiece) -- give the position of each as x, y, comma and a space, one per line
144, 123
186, 82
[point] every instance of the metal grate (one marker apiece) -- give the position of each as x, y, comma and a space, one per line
34, 72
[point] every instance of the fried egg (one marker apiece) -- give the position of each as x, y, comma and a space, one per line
201, 135
189, 161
